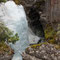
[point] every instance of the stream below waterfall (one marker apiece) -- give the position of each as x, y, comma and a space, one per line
14, 18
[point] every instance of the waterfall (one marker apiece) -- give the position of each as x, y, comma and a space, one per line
14, 18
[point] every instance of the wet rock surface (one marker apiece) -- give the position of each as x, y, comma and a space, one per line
5, 57
44, 52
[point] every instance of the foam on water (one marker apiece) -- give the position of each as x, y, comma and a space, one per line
15, 19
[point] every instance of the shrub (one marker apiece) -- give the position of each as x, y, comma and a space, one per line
7, 35
3, 0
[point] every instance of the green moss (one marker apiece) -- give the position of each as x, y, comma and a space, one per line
3, 0
37, 45
50, 34
51, 41
57, 46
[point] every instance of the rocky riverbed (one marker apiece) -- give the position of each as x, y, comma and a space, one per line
5, 57
43, 52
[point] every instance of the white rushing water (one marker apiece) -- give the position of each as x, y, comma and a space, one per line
15, 19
